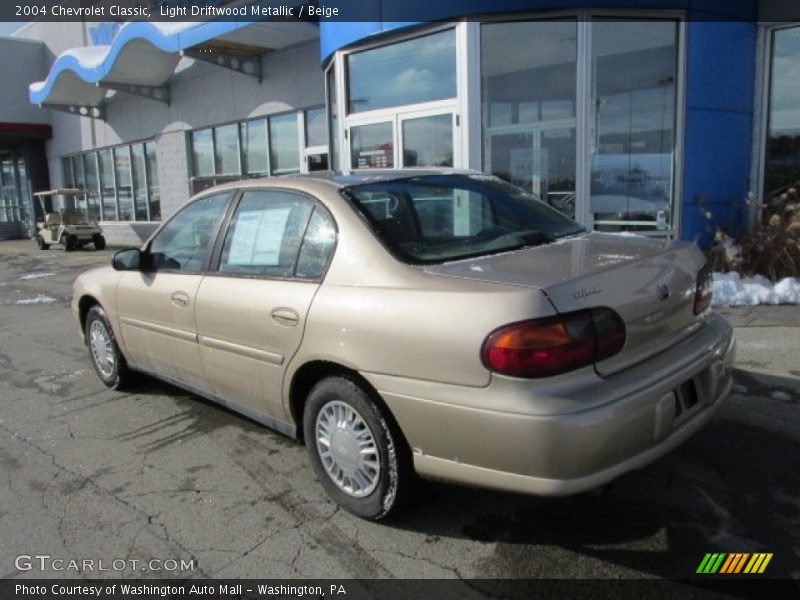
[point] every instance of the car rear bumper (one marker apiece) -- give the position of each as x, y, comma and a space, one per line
569, 436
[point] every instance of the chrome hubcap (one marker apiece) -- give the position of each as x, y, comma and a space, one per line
102, 348
347, 449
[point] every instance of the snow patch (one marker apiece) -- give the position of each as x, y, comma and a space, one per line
732, 290
39, 299
36, 275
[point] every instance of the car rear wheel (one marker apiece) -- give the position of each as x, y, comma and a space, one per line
357, 453
99, 241
70, 242
41, 243
106, 357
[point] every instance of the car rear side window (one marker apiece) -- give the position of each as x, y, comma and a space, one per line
317, 246
265, 234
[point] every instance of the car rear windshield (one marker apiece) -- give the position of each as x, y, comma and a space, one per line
440, 218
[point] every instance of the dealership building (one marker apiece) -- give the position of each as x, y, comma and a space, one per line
663, 117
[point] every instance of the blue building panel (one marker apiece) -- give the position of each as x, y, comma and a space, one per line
720, 80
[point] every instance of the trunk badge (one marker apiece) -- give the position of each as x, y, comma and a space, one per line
662, 291
586, 292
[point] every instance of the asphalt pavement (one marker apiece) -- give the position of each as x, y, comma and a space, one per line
158, 473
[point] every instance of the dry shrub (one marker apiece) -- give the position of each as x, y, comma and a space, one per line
770, 248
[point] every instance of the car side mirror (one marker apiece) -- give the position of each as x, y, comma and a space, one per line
129, 259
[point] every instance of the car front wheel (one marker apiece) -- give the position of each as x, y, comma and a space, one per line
70, 242
41, 243
106, 357
358, 454
99, 241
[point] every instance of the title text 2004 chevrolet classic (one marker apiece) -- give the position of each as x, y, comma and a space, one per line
438, 322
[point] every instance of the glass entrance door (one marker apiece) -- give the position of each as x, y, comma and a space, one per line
405, 139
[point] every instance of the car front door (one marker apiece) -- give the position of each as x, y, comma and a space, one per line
251, 311
157, 304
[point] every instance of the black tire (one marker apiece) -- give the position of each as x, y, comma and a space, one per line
99, 241
70, 243
40, 242
118, 375
395, 476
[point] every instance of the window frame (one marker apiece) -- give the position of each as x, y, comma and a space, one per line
222, 234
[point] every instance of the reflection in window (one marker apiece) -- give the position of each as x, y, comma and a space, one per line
92, 186
635, 69
122, 166
284, 152
428, 141
138, 170
254, 150
107, 187
203, 152
153, 190
371, 146
316, 127
418, 70
782, 168
529, 74
226, 150
124, 178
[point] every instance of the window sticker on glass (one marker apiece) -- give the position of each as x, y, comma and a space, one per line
257, 237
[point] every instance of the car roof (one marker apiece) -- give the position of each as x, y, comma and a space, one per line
341, 179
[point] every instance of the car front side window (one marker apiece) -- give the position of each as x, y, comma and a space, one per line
185, 241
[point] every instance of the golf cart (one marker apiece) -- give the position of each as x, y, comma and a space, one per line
65, 223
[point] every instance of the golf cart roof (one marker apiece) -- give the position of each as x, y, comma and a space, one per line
61, 192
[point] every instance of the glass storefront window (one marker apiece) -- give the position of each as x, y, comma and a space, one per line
203, 152
284, 151
633, 99
782, 160
408, 72
120, 182
66, 170
107, 187
529, 93
226, 150
153, 190
254, 150
428, 141
139, 173
92, 186
372, 146
122, 167
316, 127
80, 181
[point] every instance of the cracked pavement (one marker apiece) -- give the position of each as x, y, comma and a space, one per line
159, 473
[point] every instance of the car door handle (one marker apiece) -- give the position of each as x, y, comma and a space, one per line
285, 316
180, 299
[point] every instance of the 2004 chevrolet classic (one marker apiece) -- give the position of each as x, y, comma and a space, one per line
437, 322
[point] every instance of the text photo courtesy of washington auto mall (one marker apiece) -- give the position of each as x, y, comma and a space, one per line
364, 299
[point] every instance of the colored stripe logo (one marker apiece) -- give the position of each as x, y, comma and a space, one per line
735, 562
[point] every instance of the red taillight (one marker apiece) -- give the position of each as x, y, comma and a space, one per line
705, 290
553, 345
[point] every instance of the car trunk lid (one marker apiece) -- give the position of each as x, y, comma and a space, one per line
650, 283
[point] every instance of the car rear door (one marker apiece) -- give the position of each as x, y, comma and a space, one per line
251, 311
156, 305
